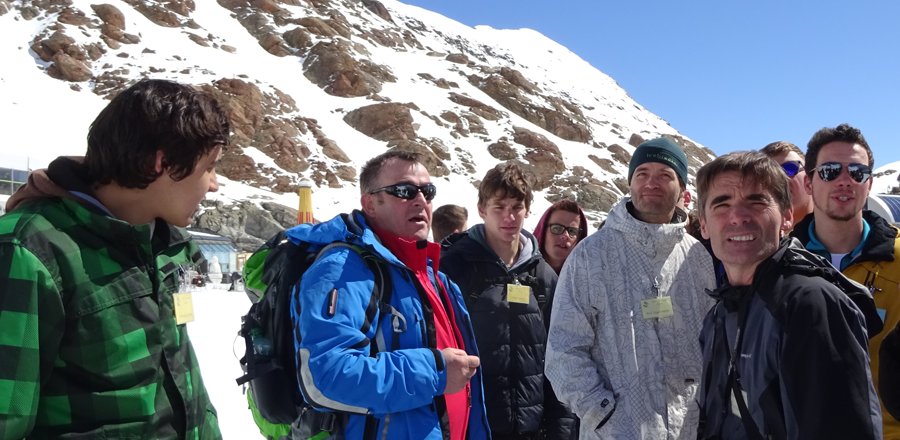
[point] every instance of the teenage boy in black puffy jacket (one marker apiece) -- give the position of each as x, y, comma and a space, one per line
508, 289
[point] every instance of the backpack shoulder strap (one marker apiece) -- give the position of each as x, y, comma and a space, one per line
382, 290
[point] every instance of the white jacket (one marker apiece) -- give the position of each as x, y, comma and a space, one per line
603, 357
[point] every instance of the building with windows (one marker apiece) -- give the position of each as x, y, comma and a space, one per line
10, 180
216, 249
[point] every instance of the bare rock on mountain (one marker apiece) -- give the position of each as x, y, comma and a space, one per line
432, 162
246, 223
604, 164
48, 47
274, 44
110, 15
502, 150
510, 89
171, 13
635, 140
73, 17
5, 6
66, 68
697, 156
458, 58
619, 153
592, 194
477, 107
331, 66
540, 153
384, 121
517, 79
378, 9
324, 28
298, 38
256, 123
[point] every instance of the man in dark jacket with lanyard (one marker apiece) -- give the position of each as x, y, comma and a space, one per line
861, 244
784, 349
508, 288
427, 385
92, 251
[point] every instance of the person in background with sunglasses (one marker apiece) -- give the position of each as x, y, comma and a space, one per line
861, 244
428, 384
622, 349
561, 227
791, 159
508, 288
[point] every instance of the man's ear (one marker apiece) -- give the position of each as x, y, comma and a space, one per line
787, 222
703, 232
367, 201
159, 166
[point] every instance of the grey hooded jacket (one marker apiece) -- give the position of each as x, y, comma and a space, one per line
627, 376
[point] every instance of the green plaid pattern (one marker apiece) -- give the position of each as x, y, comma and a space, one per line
88, 339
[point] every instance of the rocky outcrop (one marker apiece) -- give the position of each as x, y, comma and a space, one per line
246, 223
511, 90
332, 67
384, 121
432, 162
67, 68
542, 154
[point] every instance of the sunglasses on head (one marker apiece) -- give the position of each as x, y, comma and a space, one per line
829, 171
408, 191
558, 229
791, 168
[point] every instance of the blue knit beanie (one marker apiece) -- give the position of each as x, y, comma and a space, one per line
661, 150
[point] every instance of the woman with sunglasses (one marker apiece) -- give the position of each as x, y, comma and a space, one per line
561, 227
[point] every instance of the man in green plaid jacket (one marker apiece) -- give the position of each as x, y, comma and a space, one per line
91, 256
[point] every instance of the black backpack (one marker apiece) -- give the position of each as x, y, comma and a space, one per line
271, 274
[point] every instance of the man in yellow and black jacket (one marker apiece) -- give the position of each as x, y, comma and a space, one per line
861, 244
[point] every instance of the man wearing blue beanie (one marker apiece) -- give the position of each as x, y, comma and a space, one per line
622, 350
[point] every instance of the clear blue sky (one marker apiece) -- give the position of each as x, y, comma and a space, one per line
730, 75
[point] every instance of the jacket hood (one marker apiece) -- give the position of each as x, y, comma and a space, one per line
528, 251
642, 233
879, 245
792, 257
542, 225
351, 228
63, 174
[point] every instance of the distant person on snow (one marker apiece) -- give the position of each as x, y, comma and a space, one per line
93, 343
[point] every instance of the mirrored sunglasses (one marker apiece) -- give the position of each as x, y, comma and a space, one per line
829, 171
558, 229
791, 168
408, 191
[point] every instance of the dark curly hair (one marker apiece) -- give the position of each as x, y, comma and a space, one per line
153, 115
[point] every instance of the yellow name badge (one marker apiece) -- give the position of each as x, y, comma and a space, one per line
184, 308
516, 293
657, 307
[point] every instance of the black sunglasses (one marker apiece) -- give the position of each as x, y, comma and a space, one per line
408, 191
558, 229
791, 168
829, 171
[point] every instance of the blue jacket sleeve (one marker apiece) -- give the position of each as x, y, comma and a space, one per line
334, 362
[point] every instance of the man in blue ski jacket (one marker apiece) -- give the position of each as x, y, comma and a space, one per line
427, 383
